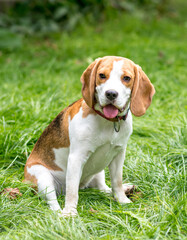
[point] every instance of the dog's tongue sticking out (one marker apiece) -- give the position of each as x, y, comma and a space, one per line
110, 111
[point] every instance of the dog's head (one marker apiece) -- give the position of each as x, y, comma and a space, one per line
111, 84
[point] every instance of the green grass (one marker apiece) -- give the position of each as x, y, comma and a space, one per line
42, 77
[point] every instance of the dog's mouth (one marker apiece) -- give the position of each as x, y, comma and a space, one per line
110, 111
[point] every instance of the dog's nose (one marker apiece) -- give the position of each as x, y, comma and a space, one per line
111, 94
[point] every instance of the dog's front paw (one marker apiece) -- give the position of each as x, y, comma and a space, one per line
124, 200
68, 212
106, 190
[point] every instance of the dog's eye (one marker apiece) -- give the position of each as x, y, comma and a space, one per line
126, 78
102, 76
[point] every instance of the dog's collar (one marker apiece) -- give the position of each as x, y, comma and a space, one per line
115, 120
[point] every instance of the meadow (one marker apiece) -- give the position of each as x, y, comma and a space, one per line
42, 76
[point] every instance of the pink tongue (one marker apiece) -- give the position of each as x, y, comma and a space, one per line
110, 111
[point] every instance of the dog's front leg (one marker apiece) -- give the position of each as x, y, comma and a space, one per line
116, 174
73, 175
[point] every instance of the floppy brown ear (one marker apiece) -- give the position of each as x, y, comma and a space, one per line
88, 80
142, 93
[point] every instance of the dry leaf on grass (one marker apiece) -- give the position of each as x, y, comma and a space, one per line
133, 194
92, 210
11, 193
130, 191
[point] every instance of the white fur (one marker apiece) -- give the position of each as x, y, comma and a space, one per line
94, 145
61, 157
46, 184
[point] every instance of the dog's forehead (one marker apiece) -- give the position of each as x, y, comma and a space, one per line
108, 63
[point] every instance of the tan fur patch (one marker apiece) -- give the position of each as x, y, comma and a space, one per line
87, 110
74, 109
56, 136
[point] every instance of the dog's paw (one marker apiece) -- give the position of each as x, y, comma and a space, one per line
68, 212
106, 190
124, 200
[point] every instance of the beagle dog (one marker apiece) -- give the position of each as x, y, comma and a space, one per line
91, 134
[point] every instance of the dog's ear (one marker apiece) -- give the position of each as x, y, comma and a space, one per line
142, 92
88, 80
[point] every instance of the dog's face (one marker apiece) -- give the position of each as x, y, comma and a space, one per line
114, 83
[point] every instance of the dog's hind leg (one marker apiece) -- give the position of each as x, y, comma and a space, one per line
46, 185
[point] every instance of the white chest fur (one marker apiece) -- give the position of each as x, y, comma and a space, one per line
95, 138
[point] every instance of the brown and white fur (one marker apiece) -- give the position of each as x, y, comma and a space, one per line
74, 149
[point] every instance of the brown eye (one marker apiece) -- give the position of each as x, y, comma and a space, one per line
126, 79
102, 76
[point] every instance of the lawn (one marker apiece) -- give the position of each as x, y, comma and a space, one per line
42, 77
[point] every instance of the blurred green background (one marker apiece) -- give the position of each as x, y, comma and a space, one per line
46, 16
43, 17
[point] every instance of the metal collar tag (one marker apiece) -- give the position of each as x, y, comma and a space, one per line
117, 125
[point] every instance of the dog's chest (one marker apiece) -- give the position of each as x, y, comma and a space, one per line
94, 143
100, 158
102, 149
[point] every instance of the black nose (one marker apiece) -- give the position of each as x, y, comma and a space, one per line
111, 94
